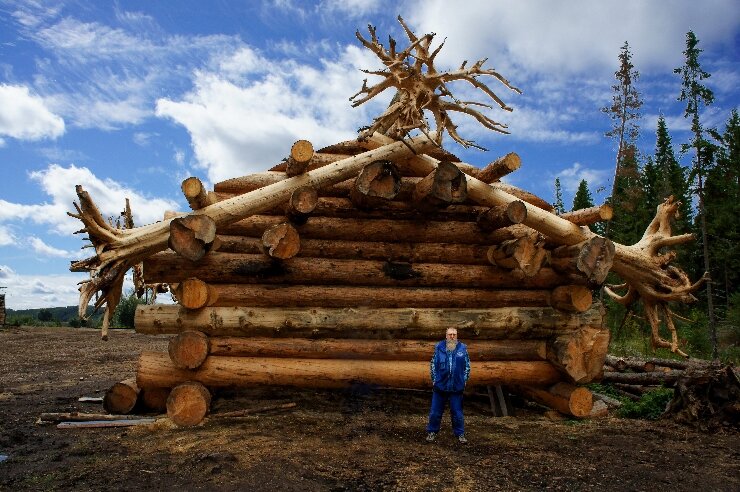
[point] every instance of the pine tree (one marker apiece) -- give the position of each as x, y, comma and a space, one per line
624, 114
697, 95
722, 210
671, 178
558, 205
583, 198
627, 225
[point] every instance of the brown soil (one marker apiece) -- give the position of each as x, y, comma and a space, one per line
359, 439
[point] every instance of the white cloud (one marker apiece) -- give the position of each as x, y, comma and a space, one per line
34, 291
59, 183
571, 177
538, 36
247, 121
6, 236
25, 116
44, 249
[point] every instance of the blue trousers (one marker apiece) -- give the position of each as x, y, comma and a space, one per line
439, 400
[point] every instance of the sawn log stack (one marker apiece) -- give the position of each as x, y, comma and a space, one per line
353, 281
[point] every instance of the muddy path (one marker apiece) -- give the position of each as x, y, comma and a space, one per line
358, 439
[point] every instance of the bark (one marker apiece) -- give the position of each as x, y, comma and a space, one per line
572, 298
381, 230
442, 187
279, 242
466, 254
189, 401
193, 293
344, 349
266, 295
300, 157
591, 215
592, 258
155, 369
566, 398
581, 353
192, 236
377, 183
189, 349
357, 322
502, 216
526, 255
500, 168
121, 397
641, 378
319, 159
302, 203
196, 194
256, 269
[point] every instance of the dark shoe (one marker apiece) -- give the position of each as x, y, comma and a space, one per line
461, 439
431, 436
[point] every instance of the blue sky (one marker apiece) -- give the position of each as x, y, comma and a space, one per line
128, 98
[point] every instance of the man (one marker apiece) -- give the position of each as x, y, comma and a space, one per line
450, 369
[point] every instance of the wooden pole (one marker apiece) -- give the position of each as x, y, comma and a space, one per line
155, 369
359, 322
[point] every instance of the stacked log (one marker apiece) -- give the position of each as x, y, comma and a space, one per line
355, 281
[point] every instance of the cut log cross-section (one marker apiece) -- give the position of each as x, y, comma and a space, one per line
302, 202
442, 187
196, 194
377, 183
121, 398
300, 157
566, 398
188, 403
592, 258
525, 254
573, 298
193, 293
189, 349
192, 236
281, 241
502, 216
580, 354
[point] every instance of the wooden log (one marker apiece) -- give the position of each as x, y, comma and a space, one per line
377, 183
189, 401
610, 402
256, 269
592, 258
600, 409
155, 369
100, 424
121, 397
300, 156
154, 399
189, 349
641, 378
333, 348
319, 159
526, 254
196, 194
500, 168
649, 364
267, 295
53, 417
302, 203
193, 293
192, 236
357, 322
382, 230
573, 298
444, 186
580, 354
254, 411
281, 242
352, 147
466, 254
566, 398
502, 216
591, 215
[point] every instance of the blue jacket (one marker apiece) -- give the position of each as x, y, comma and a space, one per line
450, 370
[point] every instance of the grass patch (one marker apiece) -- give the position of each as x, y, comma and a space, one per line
650, 406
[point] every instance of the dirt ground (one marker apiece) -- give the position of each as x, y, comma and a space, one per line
358, 439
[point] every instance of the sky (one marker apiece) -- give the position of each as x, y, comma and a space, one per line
128, 98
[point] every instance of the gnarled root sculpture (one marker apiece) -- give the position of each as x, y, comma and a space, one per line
649, 276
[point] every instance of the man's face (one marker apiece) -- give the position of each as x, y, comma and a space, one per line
451, 335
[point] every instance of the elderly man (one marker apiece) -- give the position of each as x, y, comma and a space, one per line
450, 369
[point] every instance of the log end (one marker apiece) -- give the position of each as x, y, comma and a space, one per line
189, 349
121, 398
188, 404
